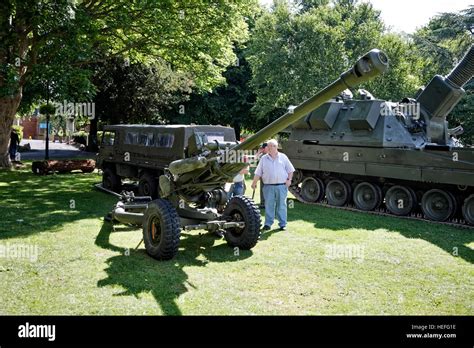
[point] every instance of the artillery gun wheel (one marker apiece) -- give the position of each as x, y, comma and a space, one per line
367, 196
148, 186
312, 189
438, 205
338, 192
468, 209
241, 208
400, 200
110, 180
161, 230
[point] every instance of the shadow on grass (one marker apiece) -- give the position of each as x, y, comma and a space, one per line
453, 240
31, 204
137, 272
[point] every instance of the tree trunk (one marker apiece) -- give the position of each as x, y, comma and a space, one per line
8, 107
237, 130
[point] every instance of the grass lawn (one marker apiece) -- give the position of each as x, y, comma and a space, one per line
328, 262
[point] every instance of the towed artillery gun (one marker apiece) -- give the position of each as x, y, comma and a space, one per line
191, 188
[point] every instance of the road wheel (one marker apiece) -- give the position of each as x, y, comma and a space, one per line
468, 209
241, 208
297, 177
367, 196
110, 180
338, 192
400, 200
438, 205
161, 230
312, 189
148, 186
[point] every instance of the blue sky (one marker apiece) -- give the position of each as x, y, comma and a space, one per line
407, 15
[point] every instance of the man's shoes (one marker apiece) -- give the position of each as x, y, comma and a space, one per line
283, 228
266, 228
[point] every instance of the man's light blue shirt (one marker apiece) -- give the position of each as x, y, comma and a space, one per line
274, 171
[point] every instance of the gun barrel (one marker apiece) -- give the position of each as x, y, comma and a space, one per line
463, 72
370, 65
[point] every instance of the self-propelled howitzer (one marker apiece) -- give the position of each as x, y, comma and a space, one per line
191, 189
391, 157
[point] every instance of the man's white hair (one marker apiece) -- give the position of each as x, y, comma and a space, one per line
273, 142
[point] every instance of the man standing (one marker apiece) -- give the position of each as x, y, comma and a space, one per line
238, 185
276, 171
14, 142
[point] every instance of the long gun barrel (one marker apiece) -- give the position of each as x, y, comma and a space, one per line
370, 65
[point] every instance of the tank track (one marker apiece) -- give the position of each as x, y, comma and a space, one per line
459, 223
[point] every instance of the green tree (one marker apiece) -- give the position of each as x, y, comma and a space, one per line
293, 55
57, 37
135, 93
403, 77
230, 104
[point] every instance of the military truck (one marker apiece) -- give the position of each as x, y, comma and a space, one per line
142, 152
370, 152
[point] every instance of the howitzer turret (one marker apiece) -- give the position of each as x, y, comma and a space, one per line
191, 189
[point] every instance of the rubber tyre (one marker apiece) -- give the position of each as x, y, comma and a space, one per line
162, 218
148, 186
242, 208
111, 181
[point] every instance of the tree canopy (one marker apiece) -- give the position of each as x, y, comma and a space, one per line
53, 43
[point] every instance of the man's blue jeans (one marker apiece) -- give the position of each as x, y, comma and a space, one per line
237, 189
275, 201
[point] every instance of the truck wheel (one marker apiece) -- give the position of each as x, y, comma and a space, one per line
161, 230
241, 208
148, 186
110, 180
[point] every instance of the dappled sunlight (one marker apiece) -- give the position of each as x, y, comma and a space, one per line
33, 204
